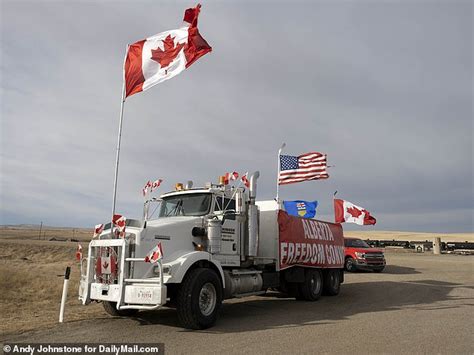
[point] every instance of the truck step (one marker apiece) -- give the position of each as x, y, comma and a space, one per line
241, 295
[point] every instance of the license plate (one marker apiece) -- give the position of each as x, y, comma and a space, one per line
145, 295
142, 294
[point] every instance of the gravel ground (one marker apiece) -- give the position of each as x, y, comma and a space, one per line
421, 304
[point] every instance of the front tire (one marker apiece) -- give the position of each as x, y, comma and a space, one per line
312, 287
111, 308
199, 299
350, 264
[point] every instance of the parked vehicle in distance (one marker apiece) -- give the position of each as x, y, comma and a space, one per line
361, 256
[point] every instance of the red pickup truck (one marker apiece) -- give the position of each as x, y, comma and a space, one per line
361, 256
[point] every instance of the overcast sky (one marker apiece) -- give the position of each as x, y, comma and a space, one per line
384, 88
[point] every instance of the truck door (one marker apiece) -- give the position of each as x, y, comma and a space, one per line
230, 228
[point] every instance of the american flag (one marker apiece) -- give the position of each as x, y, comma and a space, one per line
309, 166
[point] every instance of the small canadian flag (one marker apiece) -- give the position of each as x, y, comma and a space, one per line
98, 229
156, 184
105, 266
245, 180
146, 187
120, 221
230, 177
79, 252
155, 254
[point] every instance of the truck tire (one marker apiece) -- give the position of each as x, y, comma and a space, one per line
350, 265
312, 287
332, 282
199, 299
111, 308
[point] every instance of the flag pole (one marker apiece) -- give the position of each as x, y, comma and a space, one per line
278, 175
119, 138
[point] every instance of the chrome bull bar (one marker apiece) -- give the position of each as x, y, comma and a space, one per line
127, 292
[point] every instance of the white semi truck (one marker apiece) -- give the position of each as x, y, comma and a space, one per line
218, 243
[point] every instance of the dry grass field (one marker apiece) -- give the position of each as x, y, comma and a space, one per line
31, 274
31, 279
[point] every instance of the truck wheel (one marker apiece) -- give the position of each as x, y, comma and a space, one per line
199, 299
350, 265
332, 282
312, 287
111, 308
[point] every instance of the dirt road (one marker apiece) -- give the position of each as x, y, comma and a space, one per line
421, 304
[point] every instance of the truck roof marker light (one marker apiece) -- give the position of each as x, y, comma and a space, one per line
178, 186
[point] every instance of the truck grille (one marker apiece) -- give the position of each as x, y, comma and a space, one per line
374, 258
374, 255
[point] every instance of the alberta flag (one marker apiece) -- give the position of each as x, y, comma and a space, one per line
301, 208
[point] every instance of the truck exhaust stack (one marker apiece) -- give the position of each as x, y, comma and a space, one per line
253, 216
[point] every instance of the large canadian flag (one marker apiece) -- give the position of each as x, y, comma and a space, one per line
165, 55
345, 211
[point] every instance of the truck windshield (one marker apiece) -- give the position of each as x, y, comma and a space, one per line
355, 243
185, 205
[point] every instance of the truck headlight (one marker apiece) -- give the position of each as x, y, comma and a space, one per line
360, 255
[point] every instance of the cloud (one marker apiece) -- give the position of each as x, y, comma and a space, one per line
384, 89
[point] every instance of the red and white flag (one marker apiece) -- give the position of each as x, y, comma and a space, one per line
345, 211
245, 180
156, 184
164, 55
155, 254
120, 222
230, 177
146, 187
98, 229
105, 265
79, 252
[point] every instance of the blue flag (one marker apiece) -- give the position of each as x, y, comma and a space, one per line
301, 208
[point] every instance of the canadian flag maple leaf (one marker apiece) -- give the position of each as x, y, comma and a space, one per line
170, 52
354, 212
105, 265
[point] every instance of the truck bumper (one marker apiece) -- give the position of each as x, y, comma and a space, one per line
127, 293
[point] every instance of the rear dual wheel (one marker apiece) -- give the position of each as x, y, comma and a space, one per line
332, 282
312, 286
317, 283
